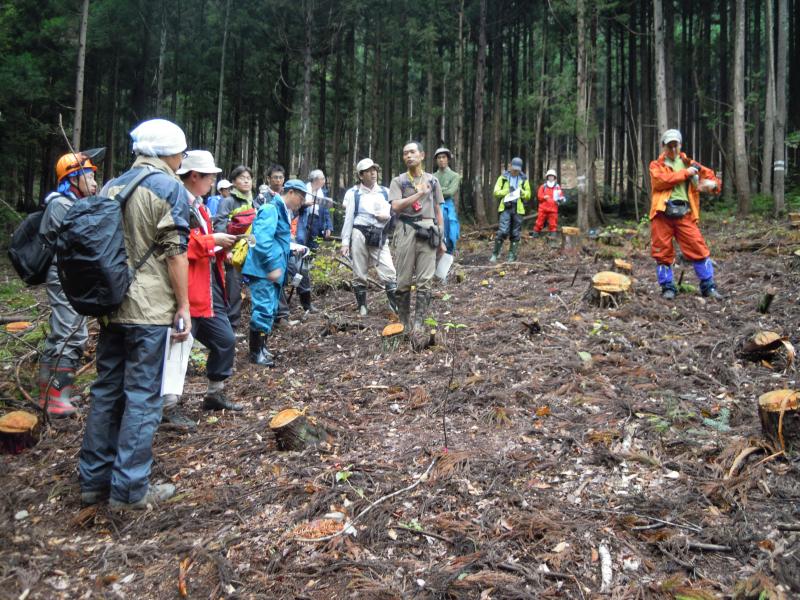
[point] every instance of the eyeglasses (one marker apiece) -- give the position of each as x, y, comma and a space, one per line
184, 154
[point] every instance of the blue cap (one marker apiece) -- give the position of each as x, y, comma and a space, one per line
295, 184
516, 162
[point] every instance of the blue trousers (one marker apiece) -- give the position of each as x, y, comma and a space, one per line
264, 295
117, 449
452, 228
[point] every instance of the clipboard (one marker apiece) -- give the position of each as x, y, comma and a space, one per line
176, 361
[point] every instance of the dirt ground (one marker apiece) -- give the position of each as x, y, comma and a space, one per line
543, 448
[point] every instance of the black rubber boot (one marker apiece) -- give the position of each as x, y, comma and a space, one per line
391, 296
404, 309
305, 301
361, 300
259, 355
709, 290
512, 252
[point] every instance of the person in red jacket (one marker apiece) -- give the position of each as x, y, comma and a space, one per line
207, 301
550, 196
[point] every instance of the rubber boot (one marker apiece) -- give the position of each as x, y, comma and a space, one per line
709, 289
305, 301
259, 355
391, 296
421, 310
498, 245
404, 309
361, 300
59, 394
512, 251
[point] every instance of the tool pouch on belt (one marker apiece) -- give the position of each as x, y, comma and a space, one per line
373, 236
430, 234
675, 209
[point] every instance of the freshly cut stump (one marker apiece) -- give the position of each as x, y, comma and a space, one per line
780, 420
608, 288
295, 431
623, 266
18, 430
766, 345
570, 240
392, 336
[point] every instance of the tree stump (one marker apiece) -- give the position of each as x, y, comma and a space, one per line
766, 346
623, 266
391, 336
780, 419
794, 219
608, 289
295, 431
18, 430
570, 240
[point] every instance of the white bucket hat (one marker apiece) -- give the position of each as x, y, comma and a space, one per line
201, 161
551, 172
158, 137
366, 163
224, 184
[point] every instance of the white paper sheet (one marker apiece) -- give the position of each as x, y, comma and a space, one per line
176, 360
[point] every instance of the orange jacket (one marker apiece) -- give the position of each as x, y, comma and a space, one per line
663, 179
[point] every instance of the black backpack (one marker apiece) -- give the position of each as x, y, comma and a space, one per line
90, 249
30, 252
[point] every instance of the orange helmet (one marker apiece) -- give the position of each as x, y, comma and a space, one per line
70, 164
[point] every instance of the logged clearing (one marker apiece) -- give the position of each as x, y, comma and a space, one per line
546, 445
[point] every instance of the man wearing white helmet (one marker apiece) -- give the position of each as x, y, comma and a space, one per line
676, 182
549, 196
116, 454
364, 237
212, 202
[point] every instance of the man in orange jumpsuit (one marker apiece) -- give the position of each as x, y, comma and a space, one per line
676, 181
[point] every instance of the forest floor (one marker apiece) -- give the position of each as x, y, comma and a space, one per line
590, 452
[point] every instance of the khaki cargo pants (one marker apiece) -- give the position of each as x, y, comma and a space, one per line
413, 257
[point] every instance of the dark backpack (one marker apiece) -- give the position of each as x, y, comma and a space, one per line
30, 252
90, 249
388, 229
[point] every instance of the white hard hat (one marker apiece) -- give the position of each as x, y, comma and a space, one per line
551, 172
224, 184
443, 150
671, 135
201, 161
366, 163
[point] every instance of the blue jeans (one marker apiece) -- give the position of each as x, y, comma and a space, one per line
452, 228
117, 449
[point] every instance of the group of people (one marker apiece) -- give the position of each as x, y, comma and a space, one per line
187, 281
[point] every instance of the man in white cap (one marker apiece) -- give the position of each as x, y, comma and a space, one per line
450, 181
116, 454
207, 301
364, 235
676, 182
212, 202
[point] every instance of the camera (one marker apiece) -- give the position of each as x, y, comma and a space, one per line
297, 279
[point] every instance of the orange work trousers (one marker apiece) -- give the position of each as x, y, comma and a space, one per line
551, 216
684, 230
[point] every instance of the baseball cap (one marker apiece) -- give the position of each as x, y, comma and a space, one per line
516, 162
671, 135
443, 150
296, 185
224, 184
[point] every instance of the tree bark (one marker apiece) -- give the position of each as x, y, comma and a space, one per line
769, 109
218, 136
477, 136
162, 58
78, 123
304, 145
585, 137
740, 157
661, 70
780, 108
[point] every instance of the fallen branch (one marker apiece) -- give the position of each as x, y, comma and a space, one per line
348, 526
606, 573
740, 458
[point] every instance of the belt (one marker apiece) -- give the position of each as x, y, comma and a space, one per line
410, 219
